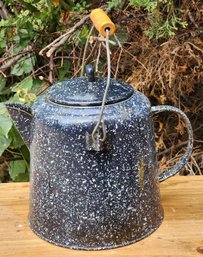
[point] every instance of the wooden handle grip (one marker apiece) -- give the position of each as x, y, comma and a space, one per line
102, 22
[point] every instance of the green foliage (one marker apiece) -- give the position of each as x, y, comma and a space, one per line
31, 25
5, 127
164, 28
162, 16
18, 170
164, 19
11, 141
80, 6
115, 4
62, 71
146, 4
23, 66
2, 39
81, 36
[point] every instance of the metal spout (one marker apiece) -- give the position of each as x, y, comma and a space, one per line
22, 119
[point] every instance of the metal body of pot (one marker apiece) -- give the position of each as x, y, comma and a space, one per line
84, 198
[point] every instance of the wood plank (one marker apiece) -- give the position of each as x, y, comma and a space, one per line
180, 235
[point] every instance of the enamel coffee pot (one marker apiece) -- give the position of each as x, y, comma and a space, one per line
93, 187
88, 196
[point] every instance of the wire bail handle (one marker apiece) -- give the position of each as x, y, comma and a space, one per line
106, 28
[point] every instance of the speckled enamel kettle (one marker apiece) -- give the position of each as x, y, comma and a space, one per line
95, 192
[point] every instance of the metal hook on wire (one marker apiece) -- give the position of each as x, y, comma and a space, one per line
100, 120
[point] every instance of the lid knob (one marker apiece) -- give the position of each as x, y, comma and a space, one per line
89, 69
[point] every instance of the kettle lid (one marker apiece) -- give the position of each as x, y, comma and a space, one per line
82, 92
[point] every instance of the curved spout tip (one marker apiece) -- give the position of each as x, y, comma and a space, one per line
21, 116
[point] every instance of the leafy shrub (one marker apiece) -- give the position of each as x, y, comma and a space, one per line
31, 25
162, 16
28, 26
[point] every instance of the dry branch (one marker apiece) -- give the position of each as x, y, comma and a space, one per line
101, 39
58, 42
11, 60
3, 11
51, 71
85, 51
98, 57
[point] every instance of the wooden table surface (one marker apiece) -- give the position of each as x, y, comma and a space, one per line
180, 235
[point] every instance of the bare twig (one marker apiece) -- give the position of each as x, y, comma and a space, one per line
98, 57
101, 39
4, 59
74, 57
58, 42
85, 51
30, 57
192, 19
118, 63
10, 62
8, 159
51, 71
196, 47
88, 57
196, 165
3, 11
79, 59
3, 74
91, 53
45, 87
171, 149
118, 41
135, 58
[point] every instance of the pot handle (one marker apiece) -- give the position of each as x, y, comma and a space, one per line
171, 172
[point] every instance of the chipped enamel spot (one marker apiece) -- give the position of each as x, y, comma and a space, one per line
141, 172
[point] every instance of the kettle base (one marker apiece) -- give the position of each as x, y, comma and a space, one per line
107, 247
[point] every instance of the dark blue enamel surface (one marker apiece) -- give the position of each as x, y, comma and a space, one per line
80, 91
83, 199
88, 200
22, 118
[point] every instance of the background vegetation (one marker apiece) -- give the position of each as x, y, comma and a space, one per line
157, 48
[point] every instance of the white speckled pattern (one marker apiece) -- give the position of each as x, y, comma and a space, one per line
84, 199
87, 200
